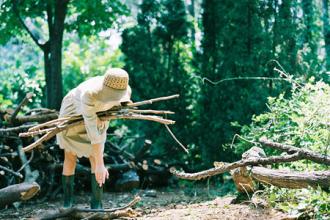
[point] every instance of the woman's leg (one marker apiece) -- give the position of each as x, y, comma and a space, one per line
97, 191
69, 166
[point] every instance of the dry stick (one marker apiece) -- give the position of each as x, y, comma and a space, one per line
74, 117
72, 211
11, 171
151, 112
64, 126
6, 131
21, 104
230, 166
150, 101
305, 154
51, 123
46, 137
173, 136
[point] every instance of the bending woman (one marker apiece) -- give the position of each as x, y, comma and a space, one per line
97, 94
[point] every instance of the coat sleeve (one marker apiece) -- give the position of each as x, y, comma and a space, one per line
88, 110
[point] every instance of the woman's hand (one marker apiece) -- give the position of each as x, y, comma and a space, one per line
101, 174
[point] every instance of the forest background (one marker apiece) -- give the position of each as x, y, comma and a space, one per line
237, 66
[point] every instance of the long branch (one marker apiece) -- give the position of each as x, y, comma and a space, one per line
230, 166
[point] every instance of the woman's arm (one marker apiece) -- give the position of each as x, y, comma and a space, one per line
90, 118
101, 173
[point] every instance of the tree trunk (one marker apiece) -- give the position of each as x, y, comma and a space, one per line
54, 70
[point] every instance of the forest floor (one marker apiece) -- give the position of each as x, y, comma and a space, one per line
165, 203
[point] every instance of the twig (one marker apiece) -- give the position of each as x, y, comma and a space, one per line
6, 131
150, 101
21, 104
46, 137
11, 171
173, 136
72, 211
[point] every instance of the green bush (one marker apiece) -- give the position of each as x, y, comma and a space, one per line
303, 121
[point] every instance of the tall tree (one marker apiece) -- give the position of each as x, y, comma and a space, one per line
29, 17
232, 46
156, 56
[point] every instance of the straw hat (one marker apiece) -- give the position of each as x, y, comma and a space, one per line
115, 86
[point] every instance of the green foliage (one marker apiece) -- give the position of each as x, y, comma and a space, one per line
300, 120
305, 203
87, 57
20, 73
158, 59
89, 18
84, 17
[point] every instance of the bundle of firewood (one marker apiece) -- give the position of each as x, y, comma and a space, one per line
51, 128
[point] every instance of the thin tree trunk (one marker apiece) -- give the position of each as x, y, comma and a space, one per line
54, 74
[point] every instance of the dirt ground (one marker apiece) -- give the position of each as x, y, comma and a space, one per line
160, 204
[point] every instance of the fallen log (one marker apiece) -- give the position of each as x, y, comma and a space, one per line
291, 179
18, 192
245, 177
225, 167
81, 213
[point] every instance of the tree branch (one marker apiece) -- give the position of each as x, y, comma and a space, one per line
305, 154
16, 11
230, 166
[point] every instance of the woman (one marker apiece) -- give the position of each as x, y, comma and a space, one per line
94, 95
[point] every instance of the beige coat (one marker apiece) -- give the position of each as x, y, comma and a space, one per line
86, 100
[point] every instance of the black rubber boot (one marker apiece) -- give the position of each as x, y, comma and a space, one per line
97, 194
68, 184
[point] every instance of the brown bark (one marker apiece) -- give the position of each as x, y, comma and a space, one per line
230, 166
291, 179
245, 178
17, 192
